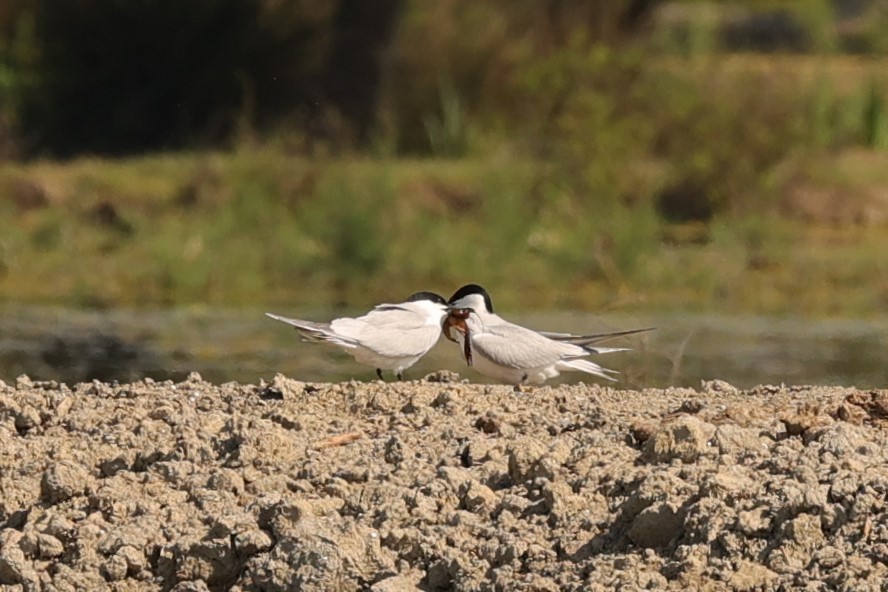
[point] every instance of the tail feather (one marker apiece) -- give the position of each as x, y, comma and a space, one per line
604, 350
309, 330
587, 367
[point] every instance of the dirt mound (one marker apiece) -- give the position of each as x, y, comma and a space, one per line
440, 485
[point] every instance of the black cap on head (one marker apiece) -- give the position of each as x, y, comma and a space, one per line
470, 289
437, 298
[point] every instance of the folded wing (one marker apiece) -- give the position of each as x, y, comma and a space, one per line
390, 331
516, 347
592, 338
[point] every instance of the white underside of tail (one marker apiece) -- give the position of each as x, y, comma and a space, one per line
585, 366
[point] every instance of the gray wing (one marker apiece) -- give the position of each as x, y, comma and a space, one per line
390, 331
516, 347
593, 338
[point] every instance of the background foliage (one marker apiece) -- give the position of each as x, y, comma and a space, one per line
725, 154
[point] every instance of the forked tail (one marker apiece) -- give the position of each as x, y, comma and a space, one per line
587, 367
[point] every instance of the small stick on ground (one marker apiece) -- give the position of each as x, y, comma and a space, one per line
338, 440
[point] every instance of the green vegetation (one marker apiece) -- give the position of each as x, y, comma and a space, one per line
629, 154
263, 228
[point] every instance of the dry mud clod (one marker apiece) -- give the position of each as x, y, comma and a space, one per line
440, 485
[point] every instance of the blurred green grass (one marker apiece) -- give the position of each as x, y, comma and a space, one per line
261, 227
615, 179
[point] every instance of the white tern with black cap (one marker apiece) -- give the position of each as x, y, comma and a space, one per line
389, 337
516, 355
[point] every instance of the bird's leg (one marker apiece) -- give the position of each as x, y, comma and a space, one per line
400, 377
379, 373
518, 386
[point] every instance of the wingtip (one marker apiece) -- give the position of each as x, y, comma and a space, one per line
280, 318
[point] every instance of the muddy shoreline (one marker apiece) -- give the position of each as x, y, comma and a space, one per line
439, 484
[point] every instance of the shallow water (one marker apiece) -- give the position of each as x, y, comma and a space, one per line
243, 345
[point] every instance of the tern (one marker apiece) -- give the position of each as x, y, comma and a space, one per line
389, 337
514, 354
